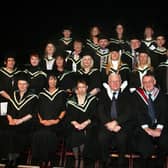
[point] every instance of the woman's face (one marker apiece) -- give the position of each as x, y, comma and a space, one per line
59, 62
50, 48
22, 85
10, 63
52, 82
143, 58
94, 31
81, 89
34, 61
115, 55
119, 29
87, 61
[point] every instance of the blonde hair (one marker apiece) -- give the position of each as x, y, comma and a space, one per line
92, 62
109, 64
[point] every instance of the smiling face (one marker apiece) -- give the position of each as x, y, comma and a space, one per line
148, 83
22, 85
52, 82
114, 81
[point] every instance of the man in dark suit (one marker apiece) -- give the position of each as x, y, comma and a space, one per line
115, 119
150, 115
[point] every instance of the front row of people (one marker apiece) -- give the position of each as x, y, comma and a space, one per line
91, 126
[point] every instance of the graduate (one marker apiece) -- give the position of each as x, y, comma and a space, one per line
8, 75
74, 58
161, 74
66, 41
35, 73
150, 130
90, 74
115, 65
142, 67
20, 115
81, 116
51, 112
115, 121
66, 78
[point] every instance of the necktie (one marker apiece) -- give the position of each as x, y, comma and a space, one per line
151, 109
113, 107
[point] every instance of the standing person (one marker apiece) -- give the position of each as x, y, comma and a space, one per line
150, 115
65, 42
81, 111
20, 113
119, 38
114, 114
148, 39
92, 40
51, 112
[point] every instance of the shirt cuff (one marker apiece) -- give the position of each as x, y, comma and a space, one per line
145, 126
160, 126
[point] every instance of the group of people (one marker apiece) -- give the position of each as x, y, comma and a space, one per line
107, 94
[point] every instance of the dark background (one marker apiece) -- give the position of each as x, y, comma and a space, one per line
29, 28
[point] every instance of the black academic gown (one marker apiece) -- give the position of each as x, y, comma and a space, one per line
81, 113
17, 138
162, 76
144, 144
50, 106
108, 139
93, 78
37, 78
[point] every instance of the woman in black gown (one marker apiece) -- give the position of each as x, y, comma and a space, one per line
51, 111
20, 114
81, 111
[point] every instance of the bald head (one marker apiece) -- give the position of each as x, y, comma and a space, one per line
114, 81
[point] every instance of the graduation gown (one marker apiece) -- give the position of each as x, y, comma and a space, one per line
157, 56
8, 84
66, 79
72, 64
37, 78
65, 44
135, 79
17, 138
101, 58
92, 76
162, 76
143, 143
122, 69
50, 106
90, 45
81, 113
122, 43
8, 81
106, 138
